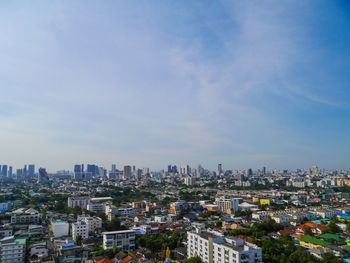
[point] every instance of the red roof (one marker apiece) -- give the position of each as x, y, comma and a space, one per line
286, 232
104, 261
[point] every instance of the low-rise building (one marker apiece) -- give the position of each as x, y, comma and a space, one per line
25, 216
12, 250
124, 239
81, 229
60, 228
212, 248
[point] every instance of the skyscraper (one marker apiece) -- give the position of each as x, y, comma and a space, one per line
127, 172
31, 170
219, 168
10, 172
43, 177
264, 170
4, 170
114, 168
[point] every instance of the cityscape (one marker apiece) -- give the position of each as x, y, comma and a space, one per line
175, 131
178, 214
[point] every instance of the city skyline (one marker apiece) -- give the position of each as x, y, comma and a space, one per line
245, 84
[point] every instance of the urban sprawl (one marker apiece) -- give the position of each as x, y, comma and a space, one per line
180, 214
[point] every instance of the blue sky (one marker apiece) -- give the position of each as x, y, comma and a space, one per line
242, 83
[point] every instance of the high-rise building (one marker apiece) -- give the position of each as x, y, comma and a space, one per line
127, 172
264, 170
114, 168
10, 172
31, 170
220, 168
315, 170
249, 172
42, 176
4, 170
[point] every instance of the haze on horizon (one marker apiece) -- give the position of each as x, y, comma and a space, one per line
242, 83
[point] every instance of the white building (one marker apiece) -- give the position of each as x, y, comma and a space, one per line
212, 248
282, 219
96, 207
81, 201
6, 206
60, 228
124, 239
93, 222
160, 219
25, 216
190, 181
81, 229
111, 211
227, 203
12, 250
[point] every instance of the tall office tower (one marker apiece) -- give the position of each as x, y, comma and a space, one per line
114, 168
139, 174
315, 170
170, 170
249, 172
174, 169
31, 170
10, 172
24, 173
127, 172
185, 169
92, 169
200, 170
19, 174
43, 177
145, 171
133, 168
264, 170
4, 170
220, 168
78, 168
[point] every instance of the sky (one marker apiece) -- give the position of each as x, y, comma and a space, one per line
150, 83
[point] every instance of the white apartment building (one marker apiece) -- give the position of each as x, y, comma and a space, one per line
227, 203
216, 249
111, 211
60, 228
80, 228
282, 219
81, 201
124, 239
12, 250
93, 222
96, 207
25, 216
190, 181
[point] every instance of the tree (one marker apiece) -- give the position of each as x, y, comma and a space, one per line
348, 227
333, 228
78, 240
308, 231
219, 224
194, 260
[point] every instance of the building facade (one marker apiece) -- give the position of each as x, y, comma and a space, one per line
124, 239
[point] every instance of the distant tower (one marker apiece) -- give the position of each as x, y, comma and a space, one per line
264, 170
4, 170
31, 170
42, 176
114, 168
219, 168
127, 172
315, 170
